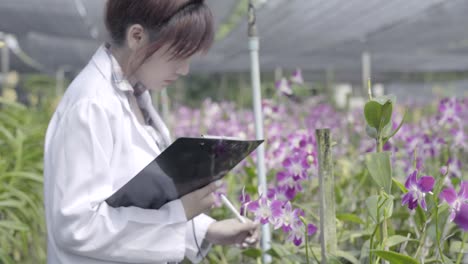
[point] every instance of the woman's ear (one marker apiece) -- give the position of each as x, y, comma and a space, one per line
137, 37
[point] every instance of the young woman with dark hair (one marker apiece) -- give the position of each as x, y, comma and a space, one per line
105, 130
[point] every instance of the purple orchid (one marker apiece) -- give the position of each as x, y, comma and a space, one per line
460, 139
297, 77
282, 193
295, 138
458, 204
270, 110
276, 153
443, 170
454, 167
265, 211
461, 219
296, 235
450, 110
288, 180
288, 217
308, 144
417, 189
284, 87
297, 165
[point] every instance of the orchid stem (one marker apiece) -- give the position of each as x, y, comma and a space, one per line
462, 248
306, 239
383, 227
422, 241
438, 235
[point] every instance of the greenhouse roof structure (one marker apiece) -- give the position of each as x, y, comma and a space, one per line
315, 35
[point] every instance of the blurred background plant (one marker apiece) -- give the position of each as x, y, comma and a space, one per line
22, 228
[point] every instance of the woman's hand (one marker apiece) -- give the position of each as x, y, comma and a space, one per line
232, 231
199, 201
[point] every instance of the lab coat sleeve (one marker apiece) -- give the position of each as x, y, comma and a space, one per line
201, 224
83, 223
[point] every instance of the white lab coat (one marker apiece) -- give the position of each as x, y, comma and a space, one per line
94, 145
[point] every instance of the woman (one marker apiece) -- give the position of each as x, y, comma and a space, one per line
105, 131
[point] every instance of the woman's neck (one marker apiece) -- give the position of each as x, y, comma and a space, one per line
122, 55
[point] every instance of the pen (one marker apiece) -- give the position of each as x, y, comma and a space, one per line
232, 208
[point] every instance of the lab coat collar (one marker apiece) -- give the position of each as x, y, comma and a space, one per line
103, 63
109, 67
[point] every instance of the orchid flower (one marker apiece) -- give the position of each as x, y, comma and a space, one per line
297, 77
458, 204
417, 189
265, 211
284, 87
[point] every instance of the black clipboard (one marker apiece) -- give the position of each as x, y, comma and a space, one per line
186, 165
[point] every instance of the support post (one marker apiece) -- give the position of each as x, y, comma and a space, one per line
257, 103
5, 64
327, 195
366, 71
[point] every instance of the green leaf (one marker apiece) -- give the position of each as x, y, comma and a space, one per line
295, 258
379, 207
447, 260
400, 185
438, 186
397, 239
420, 217
373, 114
272, 252
378, 113
380, 169
387, 131
398, 128
372, 132
385, 99
252, 253
456, 247
333, 260
5, 257
11, 203
364, 256
22, 175
348, 256
350, 218
14, 225
395, 258
387, 111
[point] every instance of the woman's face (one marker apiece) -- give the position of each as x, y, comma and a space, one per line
158, 71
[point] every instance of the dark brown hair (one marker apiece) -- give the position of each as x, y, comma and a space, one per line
185, 25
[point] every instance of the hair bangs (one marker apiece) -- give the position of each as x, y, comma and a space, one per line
188, 32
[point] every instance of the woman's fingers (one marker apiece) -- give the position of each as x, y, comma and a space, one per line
253, 238
199, 201
246, 231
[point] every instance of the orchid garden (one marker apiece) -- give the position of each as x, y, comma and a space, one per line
401, 197
363, 107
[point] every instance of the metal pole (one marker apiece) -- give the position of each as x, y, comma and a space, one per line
366, 71
255, 76
5, 65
